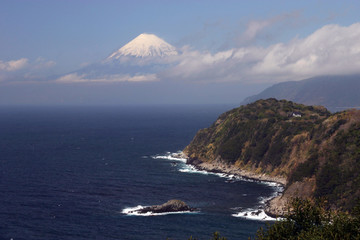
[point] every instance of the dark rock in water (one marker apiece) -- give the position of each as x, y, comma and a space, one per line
257, 213
170, 206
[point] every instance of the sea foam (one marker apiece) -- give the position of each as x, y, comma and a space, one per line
254, 214
257, 213
171, 156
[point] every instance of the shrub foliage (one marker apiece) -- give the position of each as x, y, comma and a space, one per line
311, 221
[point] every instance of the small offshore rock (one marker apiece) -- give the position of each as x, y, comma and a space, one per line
170, 206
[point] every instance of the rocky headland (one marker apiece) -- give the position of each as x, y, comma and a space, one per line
308, 150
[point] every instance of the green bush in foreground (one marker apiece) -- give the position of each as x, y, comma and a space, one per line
216, 236
309, 221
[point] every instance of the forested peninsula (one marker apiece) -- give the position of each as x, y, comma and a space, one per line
314, 153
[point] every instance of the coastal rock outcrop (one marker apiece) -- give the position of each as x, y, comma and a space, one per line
312, 152
170, 206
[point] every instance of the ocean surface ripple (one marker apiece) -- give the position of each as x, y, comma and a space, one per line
74, 172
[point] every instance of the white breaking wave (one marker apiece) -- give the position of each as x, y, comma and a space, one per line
132, 211
254, 214
187, 168
278, 189
171, 156
192, 169
257, 213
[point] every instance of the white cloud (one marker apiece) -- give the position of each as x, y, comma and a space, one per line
111, 78
25, 70
41, 63
253, 29
268, 29
13, 65
330, 50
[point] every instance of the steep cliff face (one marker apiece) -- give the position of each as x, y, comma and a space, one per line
318, 153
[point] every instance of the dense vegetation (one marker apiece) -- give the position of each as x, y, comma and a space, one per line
308, 221
258, 132
339, 178
317, 152
215, 236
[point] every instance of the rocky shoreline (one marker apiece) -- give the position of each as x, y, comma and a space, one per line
275, 207
171, 206
233, 170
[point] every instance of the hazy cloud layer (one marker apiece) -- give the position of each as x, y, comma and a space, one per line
110, 78
13, 65
330, 50
41, 63
24, 69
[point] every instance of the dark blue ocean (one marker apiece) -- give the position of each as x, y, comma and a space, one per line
69, 172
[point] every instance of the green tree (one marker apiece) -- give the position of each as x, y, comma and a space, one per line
310, 221
215, 236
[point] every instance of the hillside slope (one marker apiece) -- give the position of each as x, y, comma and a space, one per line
316, 152
334, 92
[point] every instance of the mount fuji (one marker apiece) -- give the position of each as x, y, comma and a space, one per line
145, 45
139, 60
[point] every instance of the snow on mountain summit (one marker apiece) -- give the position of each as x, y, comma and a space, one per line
145, 45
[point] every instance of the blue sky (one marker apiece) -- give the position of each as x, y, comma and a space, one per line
44, 39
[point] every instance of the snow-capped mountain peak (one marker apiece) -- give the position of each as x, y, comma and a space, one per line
145, 45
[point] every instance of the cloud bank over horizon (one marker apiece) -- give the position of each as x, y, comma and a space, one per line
330, 50
25, 70
13, 65
110, 78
